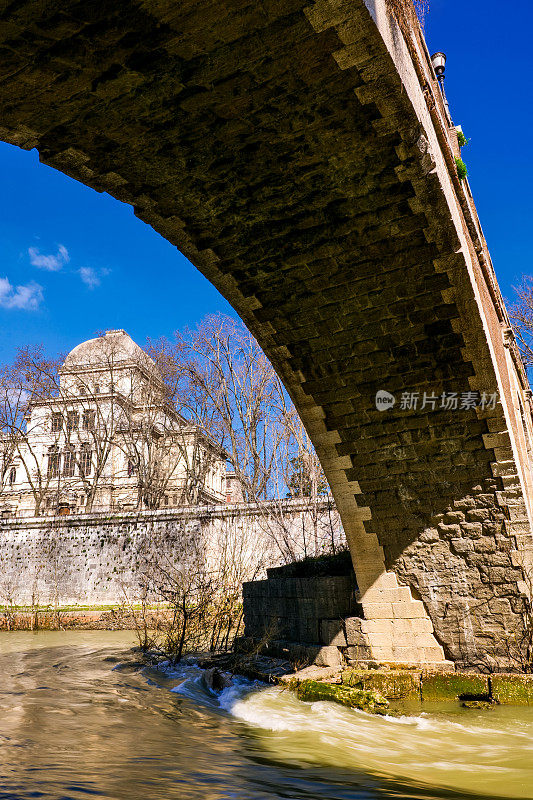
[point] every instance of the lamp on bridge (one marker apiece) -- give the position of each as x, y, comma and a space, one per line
439, 65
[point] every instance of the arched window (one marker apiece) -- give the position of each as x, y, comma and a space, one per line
97, 389
85, 460
54, 460
12, 475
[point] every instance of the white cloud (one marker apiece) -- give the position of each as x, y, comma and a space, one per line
93, 277
90, 277
26, 298
52, 263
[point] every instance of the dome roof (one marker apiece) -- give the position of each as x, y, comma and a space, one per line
112, 349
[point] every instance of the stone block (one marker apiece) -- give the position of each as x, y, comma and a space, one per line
407, 655
465, 503
516, 690
328, 657
383, 655
354, 654
449, 531
453, 517
373, 627
450, 687
412, 610
332, 632
473, 530
461, 546
496, 440
476, 515
379, 610
429, 535
388, 580
420, 625
392, 684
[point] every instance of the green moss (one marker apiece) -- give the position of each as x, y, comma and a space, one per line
515, 690
337, 693
394, 685
451, 687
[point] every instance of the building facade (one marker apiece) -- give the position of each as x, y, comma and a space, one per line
106, 439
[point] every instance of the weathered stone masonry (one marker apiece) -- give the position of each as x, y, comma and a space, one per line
296, 153
99, 558
305, 619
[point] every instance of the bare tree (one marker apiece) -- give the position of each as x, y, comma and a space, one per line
189, 584
223, 382
28, 381
220, 379
522, 319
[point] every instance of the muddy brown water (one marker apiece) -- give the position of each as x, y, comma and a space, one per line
80, 717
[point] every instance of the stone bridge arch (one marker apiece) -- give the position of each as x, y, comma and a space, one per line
299, 155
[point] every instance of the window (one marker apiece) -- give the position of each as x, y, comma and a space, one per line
73, 420
54, 460
97, 389
131, 468
85, 460
12, 475
88, 420
165, 500
57, 422
69, 462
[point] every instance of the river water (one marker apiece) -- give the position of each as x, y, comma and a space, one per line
81, 718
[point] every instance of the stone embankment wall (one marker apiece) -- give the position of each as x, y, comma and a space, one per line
98, 559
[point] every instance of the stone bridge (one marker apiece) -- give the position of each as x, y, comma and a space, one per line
299, 154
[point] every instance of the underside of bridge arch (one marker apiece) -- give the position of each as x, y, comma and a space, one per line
279, 147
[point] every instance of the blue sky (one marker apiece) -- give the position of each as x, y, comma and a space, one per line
73, 262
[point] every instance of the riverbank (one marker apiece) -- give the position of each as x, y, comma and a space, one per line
104, 618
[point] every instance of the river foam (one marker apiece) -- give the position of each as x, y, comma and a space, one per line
454, 749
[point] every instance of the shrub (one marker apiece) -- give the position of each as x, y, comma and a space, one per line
461, 168
461, 138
